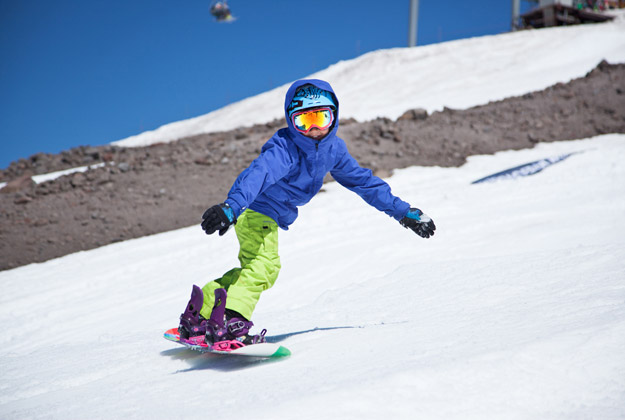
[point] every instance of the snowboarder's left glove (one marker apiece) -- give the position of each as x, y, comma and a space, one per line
218, 218
419, 222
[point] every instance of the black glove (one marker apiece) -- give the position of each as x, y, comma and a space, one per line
219, 217
419, 222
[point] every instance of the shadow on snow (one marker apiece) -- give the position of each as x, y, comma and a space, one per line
226, 363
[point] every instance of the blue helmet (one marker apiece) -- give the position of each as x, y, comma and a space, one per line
310, 96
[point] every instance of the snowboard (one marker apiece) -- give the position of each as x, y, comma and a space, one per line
265, 350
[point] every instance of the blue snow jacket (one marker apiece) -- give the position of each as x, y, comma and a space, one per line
291, 167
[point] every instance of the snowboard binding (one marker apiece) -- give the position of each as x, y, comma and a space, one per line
192, 328
226, 330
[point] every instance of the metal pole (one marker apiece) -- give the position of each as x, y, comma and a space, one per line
412, 27
516, 11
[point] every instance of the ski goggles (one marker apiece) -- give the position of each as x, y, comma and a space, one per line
308, 119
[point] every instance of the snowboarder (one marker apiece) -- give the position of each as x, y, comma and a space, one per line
288, 172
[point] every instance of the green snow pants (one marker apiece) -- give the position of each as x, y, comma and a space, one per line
260, 265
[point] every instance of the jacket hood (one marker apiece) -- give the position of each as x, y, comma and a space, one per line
300, 139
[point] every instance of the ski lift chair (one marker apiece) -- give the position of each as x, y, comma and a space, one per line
221, 11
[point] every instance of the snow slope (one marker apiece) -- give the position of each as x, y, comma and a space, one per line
458, 74
515, 309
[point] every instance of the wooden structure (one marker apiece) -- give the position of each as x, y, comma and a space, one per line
557, 14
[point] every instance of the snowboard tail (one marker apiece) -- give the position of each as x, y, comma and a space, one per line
267, 350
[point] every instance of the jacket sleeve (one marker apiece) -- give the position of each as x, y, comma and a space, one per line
372, 189
273, 163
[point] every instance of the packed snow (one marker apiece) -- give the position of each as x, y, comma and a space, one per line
515, 309
458, 74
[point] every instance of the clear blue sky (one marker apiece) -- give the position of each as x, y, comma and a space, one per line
89, 72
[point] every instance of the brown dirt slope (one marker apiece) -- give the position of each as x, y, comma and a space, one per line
147, 190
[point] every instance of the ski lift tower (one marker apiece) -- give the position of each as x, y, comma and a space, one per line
516, 13
412, 26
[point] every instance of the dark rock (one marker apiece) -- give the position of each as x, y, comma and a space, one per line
22, 199
418, 114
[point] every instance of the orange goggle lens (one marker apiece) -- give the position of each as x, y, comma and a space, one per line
321, 118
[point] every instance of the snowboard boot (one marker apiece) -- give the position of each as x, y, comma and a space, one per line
192, 328
226, 329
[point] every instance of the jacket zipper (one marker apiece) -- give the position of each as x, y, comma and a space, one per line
316, 164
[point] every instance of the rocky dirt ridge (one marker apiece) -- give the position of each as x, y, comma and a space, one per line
147, 190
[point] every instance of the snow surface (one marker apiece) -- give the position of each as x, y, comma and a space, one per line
458, 74
38, 179
515, 309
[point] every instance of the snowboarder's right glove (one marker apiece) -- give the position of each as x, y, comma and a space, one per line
218, 218
419, 222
